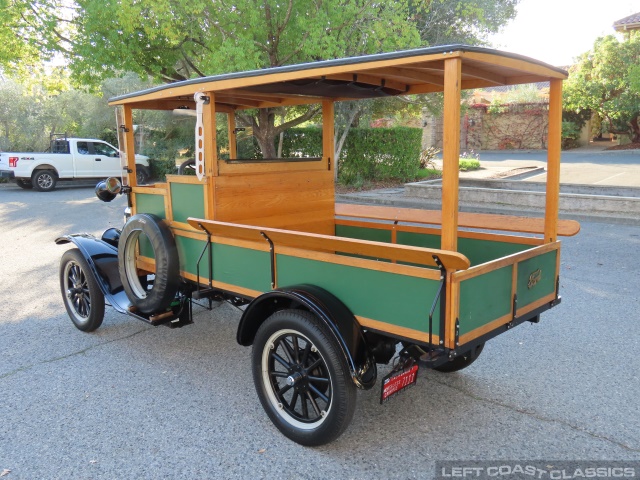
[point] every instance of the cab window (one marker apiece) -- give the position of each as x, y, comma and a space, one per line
104, 149
83, 148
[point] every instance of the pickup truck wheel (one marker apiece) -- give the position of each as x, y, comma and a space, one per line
142, 175
167, 275
82, 296
461, 361
302, 378
44, 180
26, 184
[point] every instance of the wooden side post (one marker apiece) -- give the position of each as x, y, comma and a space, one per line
209, 122
451, 153
130, 147
233, 144
553, 161
328, 142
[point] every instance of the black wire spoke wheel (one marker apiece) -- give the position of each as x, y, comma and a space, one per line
298, 376
302, 378
83, 298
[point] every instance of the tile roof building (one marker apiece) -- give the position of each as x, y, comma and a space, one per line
632, 22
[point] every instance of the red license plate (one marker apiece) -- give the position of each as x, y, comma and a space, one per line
396, 382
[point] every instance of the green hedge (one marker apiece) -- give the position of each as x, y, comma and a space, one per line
368, 153
305, 142
380, 154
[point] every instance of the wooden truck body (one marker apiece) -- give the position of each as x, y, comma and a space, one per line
331, 289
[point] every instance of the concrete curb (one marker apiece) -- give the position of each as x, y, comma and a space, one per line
620, 205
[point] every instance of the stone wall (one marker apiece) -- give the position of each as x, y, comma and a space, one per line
510, 127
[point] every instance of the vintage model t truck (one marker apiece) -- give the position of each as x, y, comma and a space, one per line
328, 290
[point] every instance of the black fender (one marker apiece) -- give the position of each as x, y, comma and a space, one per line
329, 310
102, 256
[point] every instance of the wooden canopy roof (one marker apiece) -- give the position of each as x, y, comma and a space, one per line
397, 73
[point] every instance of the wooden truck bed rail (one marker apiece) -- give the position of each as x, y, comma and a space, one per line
311, 241
507, 223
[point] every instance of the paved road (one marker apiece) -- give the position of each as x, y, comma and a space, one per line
133, 401
583, 166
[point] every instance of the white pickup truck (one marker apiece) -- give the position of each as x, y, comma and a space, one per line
67, 159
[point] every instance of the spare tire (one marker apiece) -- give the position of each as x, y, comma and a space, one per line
165, 253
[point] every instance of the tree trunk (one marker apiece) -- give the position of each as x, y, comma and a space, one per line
348, 118
635, 130
265, 130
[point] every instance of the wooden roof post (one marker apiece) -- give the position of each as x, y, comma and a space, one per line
210, 150
328, 132
231, 125
130, 146
451, 153
553, 161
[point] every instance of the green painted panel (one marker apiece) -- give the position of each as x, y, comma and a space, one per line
189, 250
146, 203
476, 250
418, 239
361, 233
237, 266
546, 285
242, 266
482, 251
187, 200
485, 298
388, 297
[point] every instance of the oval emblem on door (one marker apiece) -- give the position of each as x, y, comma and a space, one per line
534, 278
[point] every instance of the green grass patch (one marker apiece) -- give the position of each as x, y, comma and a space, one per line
467, 164
428, 173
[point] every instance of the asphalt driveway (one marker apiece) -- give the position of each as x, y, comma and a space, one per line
134, 401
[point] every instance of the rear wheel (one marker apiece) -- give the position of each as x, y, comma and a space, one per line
44, 180
461, 361
302, 378
82, 296
26, 184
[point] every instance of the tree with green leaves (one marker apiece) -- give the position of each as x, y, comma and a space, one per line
171, 40
606, 82
471, 22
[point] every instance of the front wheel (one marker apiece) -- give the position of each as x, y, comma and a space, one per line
302, 378
44, 180
82, 296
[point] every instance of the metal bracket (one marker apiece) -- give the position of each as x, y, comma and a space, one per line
440, 295
457, 334
124, 128
273, 259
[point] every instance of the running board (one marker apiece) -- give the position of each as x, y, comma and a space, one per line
168, 319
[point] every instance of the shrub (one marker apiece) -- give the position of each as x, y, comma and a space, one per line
427, 156
380, 154
570, 134
469, 161
302, 142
